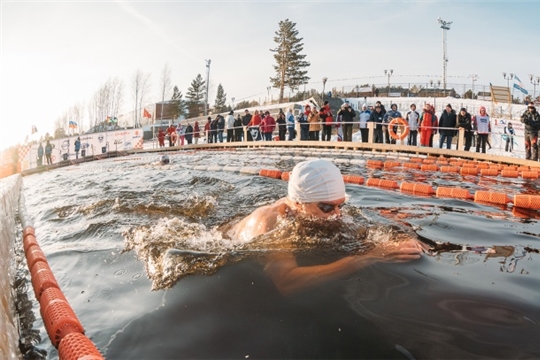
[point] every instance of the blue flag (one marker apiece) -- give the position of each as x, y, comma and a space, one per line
519, 85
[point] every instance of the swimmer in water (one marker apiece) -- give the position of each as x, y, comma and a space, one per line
316, 189
164, 160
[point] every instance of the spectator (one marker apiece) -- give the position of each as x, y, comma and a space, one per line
509, 133
181, 131
290, 124
412, 117
196, 132
268, 125
238, 130
207, 130
447, 125
364, 118
531, 119
77, 147
347, 117
214, 129
254, 126
245, 122
48, 152
325, 113
282, 125
230, 126
170, 131
377, 118
428, 125
161, 137
189, 133
464, 121
304, 124
314, 125
483, 127
387, 118
40, 155
220, 123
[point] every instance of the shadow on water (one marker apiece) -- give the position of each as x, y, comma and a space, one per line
114, 232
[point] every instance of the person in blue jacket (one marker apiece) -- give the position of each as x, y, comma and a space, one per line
77, 147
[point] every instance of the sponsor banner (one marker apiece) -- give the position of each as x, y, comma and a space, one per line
498, 135
91, 144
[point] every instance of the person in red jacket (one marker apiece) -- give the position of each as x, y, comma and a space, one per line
428, 126
268, 125
196, 132
207, 130
253, 126
326, 117
161, 138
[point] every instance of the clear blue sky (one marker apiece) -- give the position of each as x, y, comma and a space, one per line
57, 54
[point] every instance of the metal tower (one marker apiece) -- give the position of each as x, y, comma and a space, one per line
207, 85
445, 25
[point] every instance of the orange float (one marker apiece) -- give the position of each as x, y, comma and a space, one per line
353, 179
275, 174
451, 192
527, 201
399, 122
76, 346
491, 197
417, 188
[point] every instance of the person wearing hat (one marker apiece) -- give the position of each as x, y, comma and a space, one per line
388, 117
316, 192
230, 127
304, 124
325, 113
412, 117
246, 119
377, 117
347, 115
207, 130
531, 119
268, 125
447, 126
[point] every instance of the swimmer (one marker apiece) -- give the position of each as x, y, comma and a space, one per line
316, 189
164, 160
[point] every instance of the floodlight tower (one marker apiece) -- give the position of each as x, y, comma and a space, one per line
208, 61
445, 26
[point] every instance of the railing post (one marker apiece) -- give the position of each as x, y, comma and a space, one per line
461, 138
371, 133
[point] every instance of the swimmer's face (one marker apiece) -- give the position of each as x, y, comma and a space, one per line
323, 209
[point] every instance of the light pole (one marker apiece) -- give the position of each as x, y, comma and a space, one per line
207, 80
473, 77
268, 88
389, 74
324, 80
232, 100
433, 87
445, 26
535, 80
508, 77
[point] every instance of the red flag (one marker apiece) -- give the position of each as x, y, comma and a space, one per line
146, 114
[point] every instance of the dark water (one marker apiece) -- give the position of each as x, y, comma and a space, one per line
108, 226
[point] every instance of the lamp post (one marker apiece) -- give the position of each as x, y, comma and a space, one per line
388, 73
324, 80
445, 26
268, 88
535, 80
473, 77
207, 80
508, 77
232, 100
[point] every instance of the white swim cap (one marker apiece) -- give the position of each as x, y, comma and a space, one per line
316, 180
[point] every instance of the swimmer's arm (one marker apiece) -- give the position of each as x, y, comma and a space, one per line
289, 277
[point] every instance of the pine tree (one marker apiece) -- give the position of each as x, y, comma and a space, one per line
221, 99
195, 96
179, 105
289, 62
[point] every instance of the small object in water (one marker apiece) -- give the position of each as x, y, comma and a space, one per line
164, 160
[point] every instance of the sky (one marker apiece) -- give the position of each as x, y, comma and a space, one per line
56, 54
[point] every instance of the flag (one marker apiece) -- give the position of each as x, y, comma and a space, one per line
72, 124
34, 129
146, 114
519, 85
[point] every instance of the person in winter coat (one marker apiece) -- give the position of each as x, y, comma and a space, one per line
509, 133
428, 125
172, 138
482, 126
388, 117
214, 130
77, 147
189, 133
161, 138
347, 118
304, 124
447, 125
196, 132
282, 125
48, 152
181, 131
314, 125
230, 126
245, 122
289, 117
325, 113
238, 129
531, 119
377, 118
464, 121
208, 130
254, 126
412, 117
364, 118
268, 125
40, 155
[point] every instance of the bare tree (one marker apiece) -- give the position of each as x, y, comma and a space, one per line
140, 83
165, 87
106, 102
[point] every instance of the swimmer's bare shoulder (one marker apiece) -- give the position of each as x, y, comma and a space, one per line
262, 220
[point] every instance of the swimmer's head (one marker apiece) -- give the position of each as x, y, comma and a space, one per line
164, 160
319, 184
